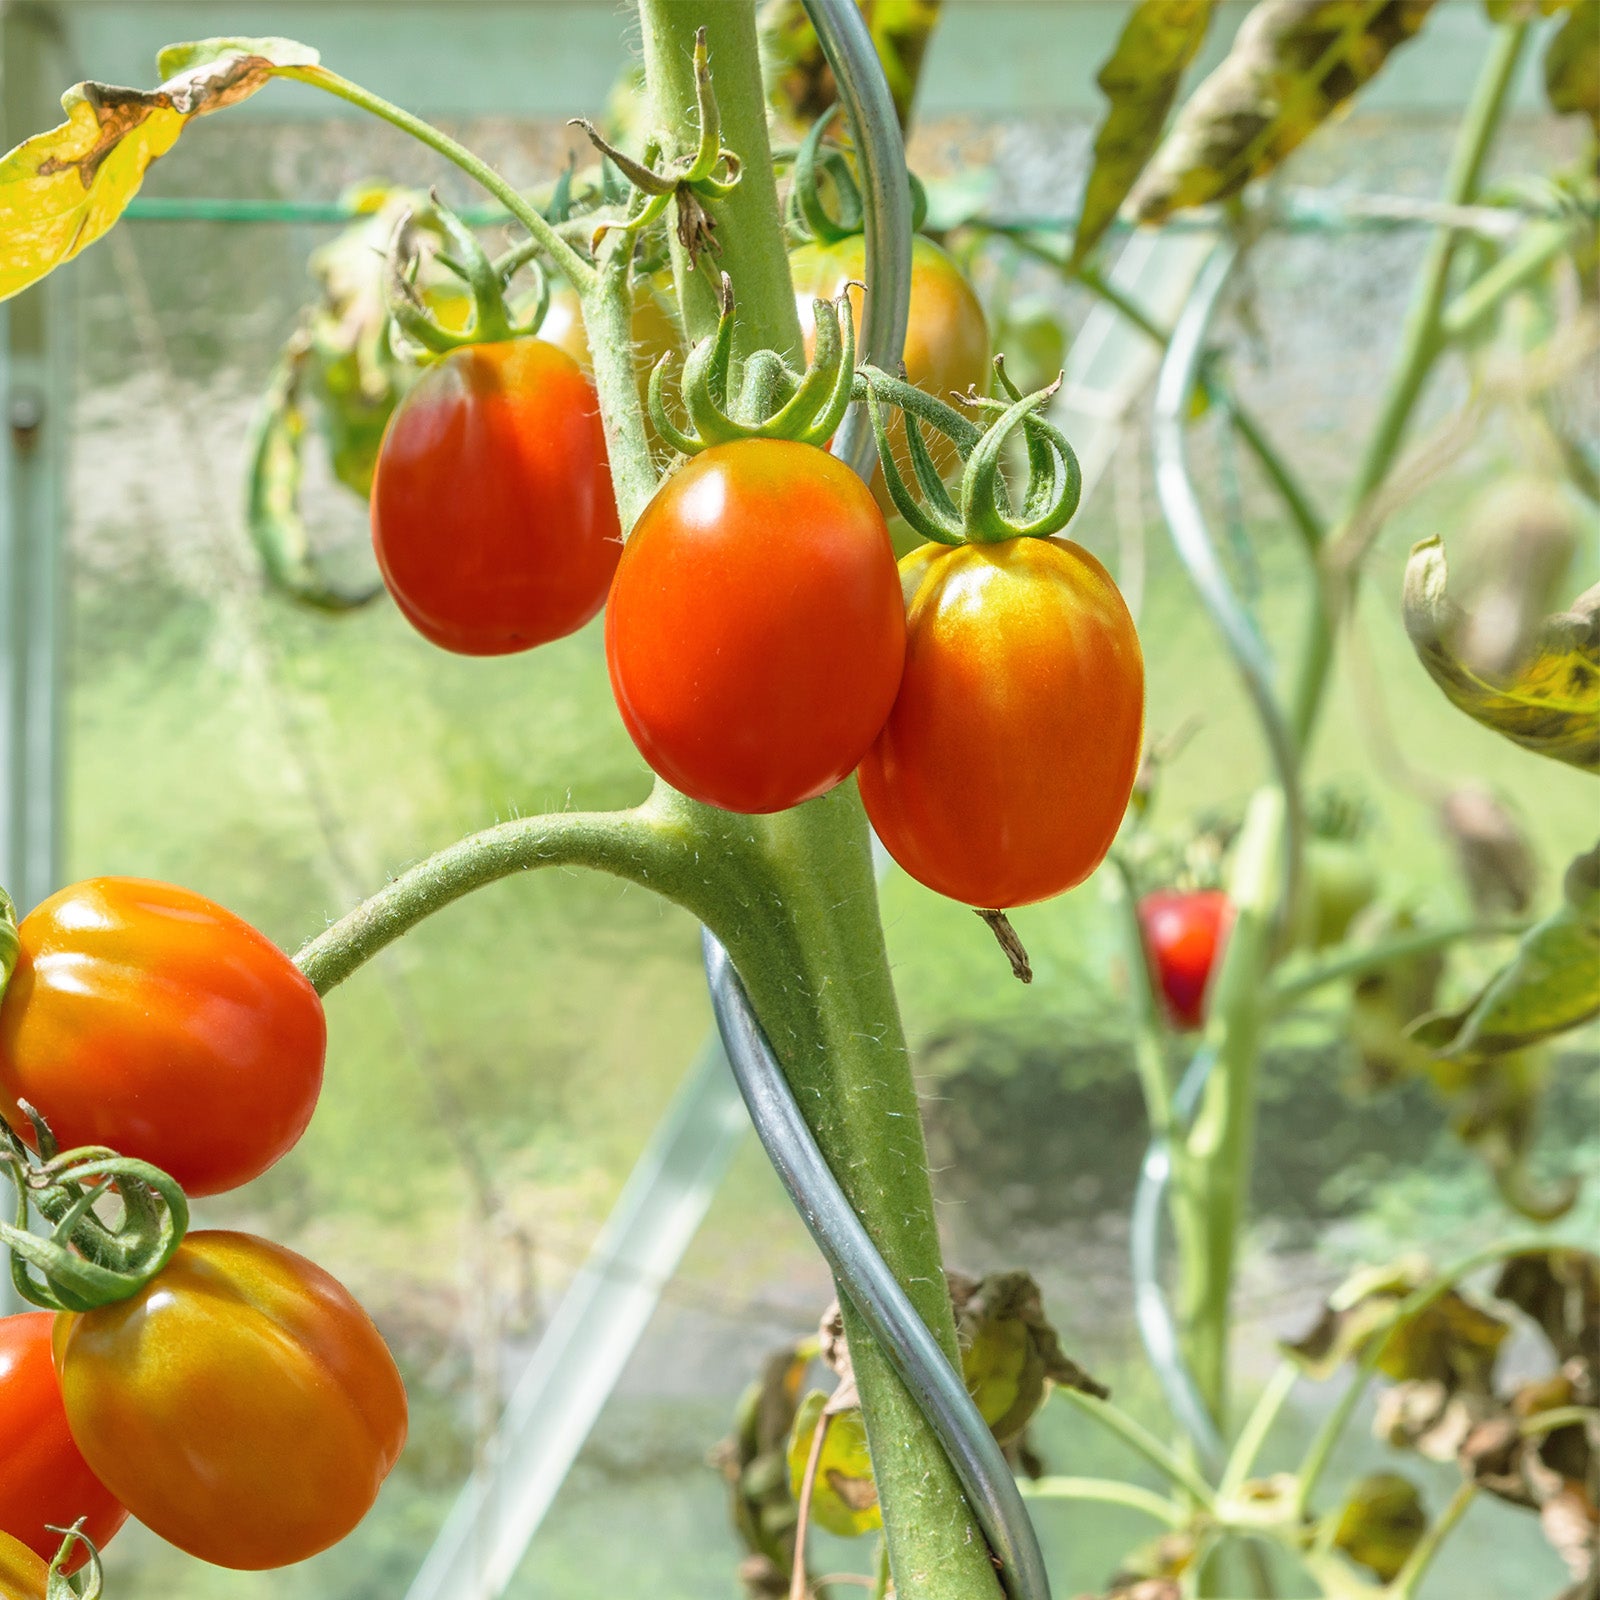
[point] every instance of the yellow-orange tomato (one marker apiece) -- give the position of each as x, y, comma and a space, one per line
145, 1017
1005, 767
947, 337
241, 1405
23, 1576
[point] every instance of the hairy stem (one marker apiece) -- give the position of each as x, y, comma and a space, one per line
608, 325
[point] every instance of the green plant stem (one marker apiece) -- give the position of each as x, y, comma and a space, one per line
608, 324
576, 270
1149, 1057
1177, 1471
1409, 1578
1421, 342
1357, 963
1543, 1422
1321, 1449
1530, 258
1108, 1491
794, 896
1253, 1435
750, 239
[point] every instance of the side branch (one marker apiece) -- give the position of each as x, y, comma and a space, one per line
626, 844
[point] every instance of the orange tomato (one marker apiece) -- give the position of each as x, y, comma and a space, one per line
1005, 767
23, 1576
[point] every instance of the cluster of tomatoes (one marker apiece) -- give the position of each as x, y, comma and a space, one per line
762, 644
240, 1403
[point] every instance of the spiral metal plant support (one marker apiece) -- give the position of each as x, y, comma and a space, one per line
859, 1269
1192, 539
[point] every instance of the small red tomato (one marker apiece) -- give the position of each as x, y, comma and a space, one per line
755, 631
1004, 770
1183, 931
492, 513
44, 1480
144, 1017
242, 1404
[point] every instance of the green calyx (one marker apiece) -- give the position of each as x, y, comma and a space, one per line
89, 1584
84, 1261
460, 253
816, 164
774, 401
983, 513
709, 174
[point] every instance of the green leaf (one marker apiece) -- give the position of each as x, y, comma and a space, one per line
1550, 985
1572, 64
61, 190
1293, 63
1524, 10
844, 1498
1549, 703
1140, 79
1382, 1520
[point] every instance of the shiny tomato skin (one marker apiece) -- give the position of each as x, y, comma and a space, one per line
755, 631
492, 514
947, 335
242, 1405
1005, 768
23, 1576
1184, 930
44, 1480
145, 1017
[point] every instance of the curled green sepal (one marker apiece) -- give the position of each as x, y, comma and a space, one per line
685, 183
90, 1581
774, 401
486, 281
10, 940
810, 213
85, 1261
935, 516
1055, 481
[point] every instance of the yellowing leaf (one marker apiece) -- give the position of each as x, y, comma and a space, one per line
1523, 10
1549, 703
844, 1498
1572, 64
1381, 1522
1293, 63
1141, 81
61, 190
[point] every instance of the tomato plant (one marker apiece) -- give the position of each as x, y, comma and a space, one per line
1004, 769
44, 1480
492, 513
23, 1576
1183, 931
147, 1018
241, 1405
755, 632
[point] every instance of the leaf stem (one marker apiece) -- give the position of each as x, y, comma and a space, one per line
1108, 1491
1141, 1440
1372, 958
576, 270
1519, 266
1247, 1447
1410, 1576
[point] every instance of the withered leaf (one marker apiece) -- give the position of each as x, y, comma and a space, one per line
1382, 1520
1549, 702
1293, 63
1140, 79
61, 190
1572, 64
844, 1498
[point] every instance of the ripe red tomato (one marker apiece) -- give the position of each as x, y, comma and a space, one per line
492, 513
1003, 772
44, 1481
1183, 931
242, 1405
23, 1576
947, 336
145, 1017
755, 631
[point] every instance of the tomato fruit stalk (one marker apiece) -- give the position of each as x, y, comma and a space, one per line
146, 1018
1004, 769
242, 1405
44, 1481
1183, 932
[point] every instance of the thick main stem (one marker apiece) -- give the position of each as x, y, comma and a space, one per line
801, 921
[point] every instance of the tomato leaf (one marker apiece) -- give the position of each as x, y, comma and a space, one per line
1550, 985
61, 190
844, 1497
1572, 64
1382, 1520
1140, 79
1550, 702
1293, 63
1523, 10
